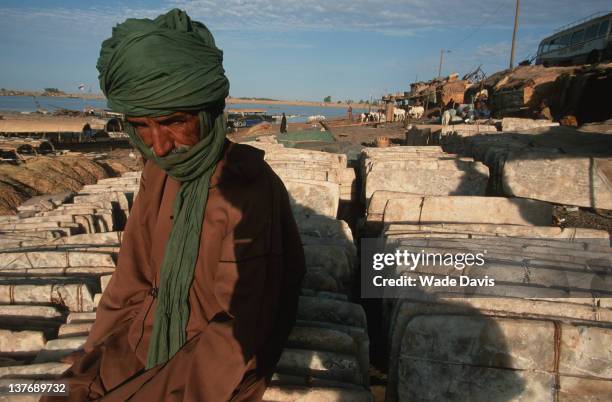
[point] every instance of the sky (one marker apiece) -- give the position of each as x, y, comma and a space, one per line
291, 49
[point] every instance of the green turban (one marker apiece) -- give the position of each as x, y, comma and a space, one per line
155, 68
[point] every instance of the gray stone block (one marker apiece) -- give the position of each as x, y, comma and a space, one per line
21, 342
585, 351
57, 349
310, 197
462, 209
561, 179
278, 393
72, 330
427, 380
76, 297
332, 311
324, 339
428, 182
43, 371
327, 365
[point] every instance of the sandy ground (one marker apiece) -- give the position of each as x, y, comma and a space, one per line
34, 122
366, 134
343, 130
268, 129
583, 218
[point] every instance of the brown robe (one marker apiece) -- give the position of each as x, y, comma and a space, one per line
243, 300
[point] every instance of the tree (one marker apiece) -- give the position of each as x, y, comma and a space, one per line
367, 102
52, 90
349, 101
327, 99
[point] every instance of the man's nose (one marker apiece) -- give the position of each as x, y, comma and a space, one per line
160, 139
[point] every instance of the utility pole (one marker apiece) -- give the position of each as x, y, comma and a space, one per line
516, 18
442, 51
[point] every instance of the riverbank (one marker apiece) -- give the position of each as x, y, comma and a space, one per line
294, 103
229, 100
39, 123
12, 92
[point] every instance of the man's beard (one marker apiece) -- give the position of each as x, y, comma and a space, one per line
178, 150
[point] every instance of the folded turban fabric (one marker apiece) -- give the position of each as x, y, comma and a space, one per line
155, 68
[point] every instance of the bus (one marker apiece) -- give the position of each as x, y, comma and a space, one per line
586, 41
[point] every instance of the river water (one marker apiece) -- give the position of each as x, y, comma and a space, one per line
294, 113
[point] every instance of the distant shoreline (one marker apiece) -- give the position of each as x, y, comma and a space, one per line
12, 92
228, 100
294, 103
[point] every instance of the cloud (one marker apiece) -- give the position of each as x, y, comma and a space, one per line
493, 49
477, 32
393, 17
502, 49
67, 24
390, 17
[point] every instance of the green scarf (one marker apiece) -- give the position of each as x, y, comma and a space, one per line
155, 68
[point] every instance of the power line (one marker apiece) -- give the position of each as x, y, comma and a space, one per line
478, 27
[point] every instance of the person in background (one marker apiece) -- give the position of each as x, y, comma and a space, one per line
350, 112
283, 126
482, 111
450, 105
468, 114
87, 131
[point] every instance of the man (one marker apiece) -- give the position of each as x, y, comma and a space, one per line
450, 105
206, 287
87, 132
283, 126
350, 112
482, 111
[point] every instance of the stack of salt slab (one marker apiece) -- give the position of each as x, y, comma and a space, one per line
98, 208
549, 163
52, 256
316, 182
50, 289
519, 124
407, 170
452, 136
311, 167
543, 346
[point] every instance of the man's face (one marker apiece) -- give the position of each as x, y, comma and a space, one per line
168, 134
